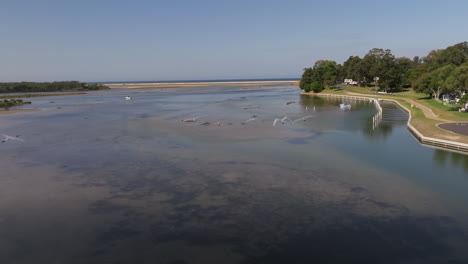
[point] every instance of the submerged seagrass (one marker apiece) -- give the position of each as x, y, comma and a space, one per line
102, 180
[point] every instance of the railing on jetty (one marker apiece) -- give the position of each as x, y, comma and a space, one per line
378, 116
427, 141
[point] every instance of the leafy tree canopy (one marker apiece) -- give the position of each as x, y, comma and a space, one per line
324, 73
441, 71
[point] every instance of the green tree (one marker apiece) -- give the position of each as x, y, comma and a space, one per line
434, 82
405, 67
316, 87
464, 102
352, 69
324, 72
306, 79
464, 99
457, 81
456, 55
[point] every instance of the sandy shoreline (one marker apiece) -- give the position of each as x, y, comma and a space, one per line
194, 84
4, 112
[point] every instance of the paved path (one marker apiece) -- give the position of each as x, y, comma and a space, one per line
426, 110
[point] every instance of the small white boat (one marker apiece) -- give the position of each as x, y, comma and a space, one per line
128, 98
345, 106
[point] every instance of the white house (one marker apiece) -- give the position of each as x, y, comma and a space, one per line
350, 82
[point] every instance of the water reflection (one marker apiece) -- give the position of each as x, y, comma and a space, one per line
450, 159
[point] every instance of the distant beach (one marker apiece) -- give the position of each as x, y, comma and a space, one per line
144, 85
17, 111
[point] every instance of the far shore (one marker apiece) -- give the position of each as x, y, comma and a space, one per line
13, 111
194, 84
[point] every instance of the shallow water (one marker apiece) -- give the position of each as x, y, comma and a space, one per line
102, 180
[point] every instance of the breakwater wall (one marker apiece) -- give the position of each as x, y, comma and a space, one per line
427, 141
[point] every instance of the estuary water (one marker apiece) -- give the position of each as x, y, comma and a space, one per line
99, 179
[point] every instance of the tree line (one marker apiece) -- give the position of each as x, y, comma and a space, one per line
16, 87
441, 71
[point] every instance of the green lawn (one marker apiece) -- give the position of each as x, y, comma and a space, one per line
449, 112
357, 89
406, 93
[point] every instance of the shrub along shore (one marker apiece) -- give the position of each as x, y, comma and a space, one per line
32, 87
12, 102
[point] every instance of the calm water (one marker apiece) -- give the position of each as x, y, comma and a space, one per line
102, 180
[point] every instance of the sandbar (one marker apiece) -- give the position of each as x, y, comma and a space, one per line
3, 112
195, 84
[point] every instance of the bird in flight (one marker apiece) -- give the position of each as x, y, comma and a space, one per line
191, 119
304, 118
7, 138
251, 119
282, 120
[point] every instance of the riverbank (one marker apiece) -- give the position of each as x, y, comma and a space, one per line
41, 87
196, 84
4, 112
6, 108
29, 95
6, 103
422, 122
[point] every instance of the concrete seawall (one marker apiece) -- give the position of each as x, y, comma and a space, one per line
427, 141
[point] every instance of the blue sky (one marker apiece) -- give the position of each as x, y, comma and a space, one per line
112, 40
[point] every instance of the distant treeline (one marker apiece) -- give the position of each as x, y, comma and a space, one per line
24, 87
441, 71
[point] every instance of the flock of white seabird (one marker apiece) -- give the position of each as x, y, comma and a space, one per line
7, 138
253, 118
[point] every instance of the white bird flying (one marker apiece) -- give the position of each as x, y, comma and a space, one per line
252, 119
302, 119
282, 120
7, 137
191, 119
251, 107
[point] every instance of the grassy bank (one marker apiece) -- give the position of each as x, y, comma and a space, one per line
37, 95
34, 87
12, 102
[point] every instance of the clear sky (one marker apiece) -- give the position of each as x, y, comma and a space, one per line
112, 40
